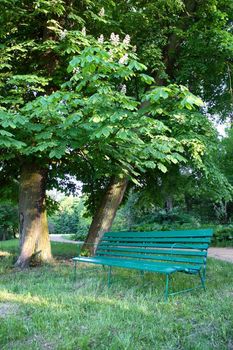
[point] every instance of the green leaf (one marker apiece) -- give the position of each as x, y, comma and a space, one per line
162, 167
147, 79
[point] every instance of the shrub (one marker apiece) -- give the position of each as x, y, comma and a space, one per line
8, 221
223, 236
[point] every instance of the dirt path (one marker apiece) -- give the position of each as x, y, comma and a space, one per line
59, 238
225, 254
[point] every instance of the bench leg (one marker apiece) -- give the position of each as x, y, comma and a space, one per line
202, 277
166, 287
75, 271
109, 275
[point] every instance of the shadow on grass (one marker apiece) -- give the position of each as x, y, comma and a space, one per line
130, 314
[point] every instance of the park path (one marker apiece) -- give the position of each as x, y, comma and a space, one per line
59, 238
225, 254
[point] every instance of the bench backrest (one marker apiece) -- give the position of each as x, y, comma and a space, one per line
187, 246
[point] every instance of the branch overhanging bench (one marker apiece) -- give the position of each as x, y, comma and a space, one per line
164, 252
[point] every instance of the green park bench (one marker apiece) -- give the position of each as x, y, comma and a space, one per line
164, 252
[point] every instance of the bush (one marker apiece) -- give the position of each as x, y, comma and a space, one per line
8, 221
79, 236
223, 236
69, 218
165, 221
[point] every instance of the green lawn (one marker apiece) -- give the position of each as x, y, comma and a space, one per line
42, 308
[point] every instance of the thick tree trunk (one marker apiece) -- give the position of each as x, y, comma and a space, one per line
105, 214
33, 226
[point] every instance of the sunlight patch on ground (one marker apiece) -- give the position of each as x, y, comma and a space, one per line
4, 254
26, 299
8, 309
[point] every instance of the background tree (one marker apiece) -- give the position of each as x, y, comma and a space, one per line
70, 218
8, 221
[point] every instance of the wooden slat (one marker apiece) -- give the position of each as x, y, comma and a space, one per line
152, 257
152, 251
160, 267
163, 245
158, 234
154, 263
159, 240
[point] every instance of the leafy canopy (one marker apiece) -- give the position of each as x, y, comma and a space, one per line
98, 112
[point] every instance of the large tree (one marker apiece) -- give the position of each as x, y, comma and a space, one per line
91, 113
37, 41
187, 42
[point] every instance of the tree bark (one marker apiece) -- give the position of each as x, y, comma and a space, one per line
33, 225
169, 204
105, 214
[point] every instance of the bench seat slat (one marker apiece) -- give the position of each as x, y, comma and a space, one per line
159, 267
159, 240
162, 245
158, 234
153, 251
151, 257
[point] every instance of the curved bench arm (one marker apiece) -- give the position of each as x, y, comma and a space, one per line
184, 245
204, 260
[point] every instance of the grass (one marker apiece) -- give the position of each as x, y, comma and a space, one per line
42, 308
60, 250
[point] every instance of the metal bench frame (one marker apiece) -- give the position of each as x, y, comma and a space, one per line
117, 249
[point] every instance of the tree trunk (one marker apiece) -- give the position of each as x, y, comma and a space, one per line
169, 204
33, 225
105, 214
4, 234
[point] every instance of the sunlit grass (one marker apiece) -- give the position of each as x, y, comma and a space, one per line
43, 308
64, 250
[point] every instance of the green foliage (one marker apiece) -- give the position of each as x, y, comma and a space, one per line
91, 118
187, 42
8, 221
136, 218
69, 218
97, 113
189, 211
223, 236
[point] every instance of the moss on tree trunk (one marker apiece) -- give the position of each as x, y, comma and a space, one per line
33, 225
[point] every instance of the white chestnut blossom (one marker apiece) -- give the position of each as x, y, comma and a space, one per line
111, 55
76, 70
101, 39
124, 59
102, 12
114, 38
63, 34
134, 48
126, 40
84, 32
123, 89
